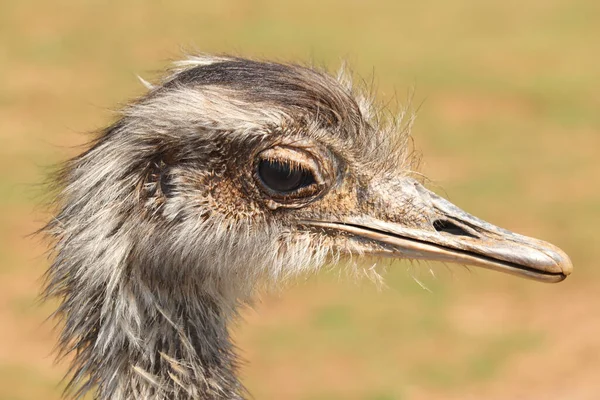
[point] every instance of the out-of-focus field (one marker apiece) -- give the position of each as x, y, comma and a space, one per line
509, 125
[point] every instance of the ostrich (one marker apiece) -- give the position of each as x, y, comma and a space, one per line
229, 175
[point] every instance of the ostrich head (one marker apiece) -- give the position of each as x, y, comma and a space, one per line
228, 174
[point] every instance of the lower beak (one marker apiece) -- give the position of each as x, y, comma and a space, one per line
457, 237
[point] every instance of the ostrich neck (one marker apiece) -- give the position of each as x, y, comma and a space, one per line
154, 345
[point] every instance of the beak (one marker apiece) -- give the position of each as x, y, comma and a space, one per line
452, 235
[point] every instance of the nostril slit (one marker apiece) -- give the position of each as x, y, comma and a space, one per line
442, 225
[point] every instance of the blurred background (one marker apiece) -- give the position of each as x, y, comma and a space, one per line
509, 125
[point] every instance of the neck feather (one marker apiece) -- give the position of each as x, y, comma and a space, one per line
136, 342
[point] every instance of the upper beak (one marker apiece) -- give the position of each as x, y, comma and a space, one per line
452, 235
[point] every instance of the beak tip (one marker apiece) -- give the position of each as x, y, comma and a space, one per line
561, 260
566, 265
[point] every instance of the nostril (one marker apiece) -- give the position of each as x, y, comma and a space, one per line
442, 225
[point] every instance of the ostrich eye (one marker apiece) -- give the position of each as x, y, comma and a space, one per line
283, 176
291, 177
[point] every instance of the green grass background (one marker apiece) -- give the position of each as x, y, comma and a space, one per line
509, 126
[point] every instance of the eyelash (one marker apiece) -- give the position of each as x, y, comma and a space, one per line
289, 175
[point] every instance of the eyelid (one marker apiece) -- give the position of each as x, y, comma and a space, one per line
294, 164
296, 157
284, 176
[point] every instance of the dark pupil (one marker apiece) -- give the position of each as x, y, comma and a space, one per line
282, 176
